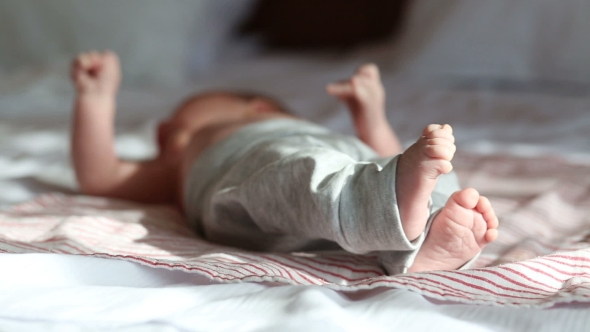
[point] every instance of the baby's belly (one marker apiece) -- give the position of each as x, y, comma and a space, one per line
199, 142
208, 136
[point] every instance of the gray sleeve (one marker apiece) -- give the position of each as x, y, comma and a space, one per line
318, 192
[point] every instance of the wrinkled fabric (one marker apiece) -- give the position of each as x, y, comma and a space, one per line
289, 185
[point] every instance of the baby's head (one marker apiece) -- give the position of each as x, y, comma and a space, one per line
212, 108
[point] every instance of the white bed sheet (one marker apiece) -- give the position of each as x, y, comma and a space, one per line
78, 292
45, 292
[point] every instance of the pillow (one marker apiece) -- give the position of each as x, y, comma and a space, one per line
151, 36
522, 40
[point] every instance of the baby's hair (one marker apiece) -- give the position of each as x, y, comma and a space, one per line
250, 95
240, 94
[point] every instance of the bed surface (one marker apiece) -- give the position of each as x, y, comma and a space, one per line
490, 119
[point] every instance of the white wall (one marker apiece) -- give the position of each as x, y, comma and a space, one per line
153, 37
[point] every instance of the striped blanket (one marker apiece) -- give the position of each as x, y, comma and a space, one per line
541, 258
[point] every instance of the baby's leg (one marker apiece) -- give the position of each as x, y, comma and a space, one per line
417, 172
365, 97
458, 232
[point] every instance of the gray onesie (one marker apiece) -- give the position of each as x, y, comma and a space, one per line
290, 185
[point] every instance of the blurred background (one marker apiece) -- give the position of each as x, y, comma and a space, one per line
506, 74
511, 76
167, 42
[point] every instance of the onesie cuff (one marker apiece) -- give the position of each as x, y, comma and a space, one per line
398, 262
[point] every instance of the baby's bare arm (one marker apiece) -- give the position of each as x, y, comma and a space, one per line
99, 171
364, 95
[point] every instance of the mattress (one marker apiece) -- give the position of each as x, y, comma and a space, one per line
524, 146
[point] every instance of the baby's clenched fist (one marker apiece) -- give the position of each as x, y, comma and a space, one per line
96, 73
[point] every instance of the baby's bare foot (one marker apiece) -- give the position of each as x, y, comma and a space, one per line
463, 227
417, 172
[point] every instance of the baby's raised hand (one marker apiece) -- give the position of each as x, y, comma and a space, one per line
96, 73
363, 92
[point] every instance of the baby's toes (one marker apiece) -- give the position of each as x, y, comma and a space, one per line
467, 198
489, 216
442, 141
491, 235
441, 133
447, 127
430, 128
438, 148
485, 208
437, 131
479, 229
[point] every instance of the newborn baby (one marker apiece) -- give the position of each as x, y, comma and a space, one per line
247, 173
